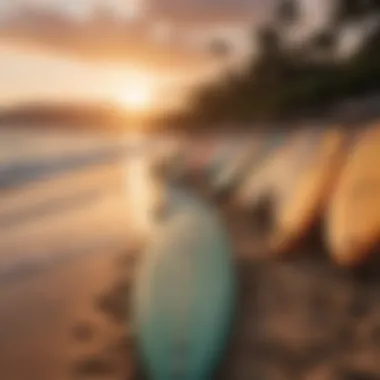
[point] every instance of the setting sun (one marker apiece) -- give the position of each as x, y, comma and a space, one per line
137, 98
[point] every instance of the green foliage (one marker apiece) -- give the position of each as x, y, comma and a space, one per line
354, 10
281, 82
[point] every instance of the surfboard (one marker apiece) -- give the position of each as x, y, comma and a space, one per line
297, 181
269, 145
225, 152
184, 295
353, 214
234, 170
306, 176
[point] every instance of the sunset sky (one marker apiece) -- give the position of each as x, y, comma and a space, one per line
97, 49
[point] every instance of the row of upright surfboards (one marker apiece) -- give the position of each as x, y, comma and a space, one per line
310, 176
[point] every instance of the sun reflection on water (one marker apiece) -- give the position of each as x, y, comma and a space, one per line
144, 192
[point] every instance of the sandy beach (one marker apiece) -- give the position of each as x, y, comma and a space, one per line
67, 270
296, 319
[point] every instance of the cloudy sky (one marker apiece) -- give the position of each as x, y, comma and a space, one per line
92, 49
95, 49
120, 29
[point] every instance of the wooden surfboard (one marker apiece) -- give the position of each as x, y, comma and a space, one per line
297, 181
305, 182
353, 215
184, 295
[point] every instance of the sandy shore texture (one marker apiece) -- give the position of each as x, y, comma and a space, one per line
297, 319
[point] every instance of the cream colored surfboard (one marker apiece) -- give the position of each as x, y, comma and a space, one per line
256, 179
298, 180
353, 215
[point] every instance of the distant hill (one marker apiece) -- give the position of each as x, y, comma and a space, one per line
101, 116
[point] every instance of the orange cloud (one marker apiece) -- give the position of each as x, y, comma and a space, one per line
89, 30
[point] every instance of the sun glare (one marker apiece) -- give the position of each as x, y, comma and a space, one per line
136, 98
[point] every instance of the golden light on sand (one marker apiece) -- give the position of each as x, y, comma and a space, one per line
137, 98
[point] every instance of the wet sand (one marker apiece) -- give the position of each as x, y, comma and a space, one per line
105, 342
57, 249
302, 318
48, 320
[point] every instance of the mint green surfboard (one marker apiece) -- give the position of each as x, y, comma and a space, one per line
185, 294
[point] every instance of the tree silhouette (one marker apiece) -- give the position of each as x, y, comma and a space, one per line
283, 82
287, 11
354, 10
